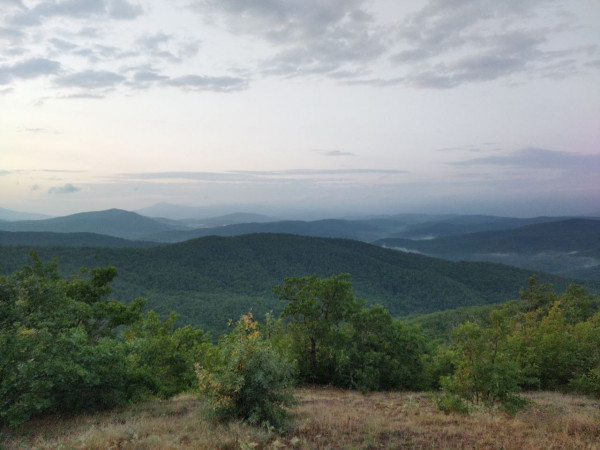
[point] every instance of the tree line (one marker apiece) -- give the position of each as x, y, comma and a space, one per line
67, 347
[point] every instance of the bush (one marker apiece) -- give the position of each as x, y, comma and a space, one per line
451, 403
165, 355
58, 344
589, 383
245, 378
483, 371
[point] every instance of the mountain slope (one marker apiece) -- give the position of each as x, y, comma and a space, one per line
212, 279
564, 247
45, 239
336, 228
112, 222
10, 215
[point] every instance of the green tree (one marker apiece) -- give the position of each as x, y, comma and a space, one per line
318, 309
484, 372
336, 340
385, 353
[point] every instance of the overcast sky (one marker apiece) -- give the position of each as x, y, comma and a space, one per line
383, 106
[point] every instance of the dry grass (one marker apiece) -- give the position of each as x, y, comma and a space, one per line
328, 419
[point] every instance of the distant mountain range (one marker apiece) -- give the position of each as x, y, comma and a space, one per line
112, 222
564, 246
10, 215
567, 247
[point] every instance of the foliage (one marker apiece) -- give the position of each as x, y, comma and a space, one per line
551, 342
483, 369
246, 378
337, 340
58, 346
210, 279
164, 354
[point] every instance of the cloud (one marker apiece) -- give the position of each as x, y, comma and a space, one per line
77, 9
62, 45
12, 35
121, 9
163, 46
65, 189
91, 79
334, 153
450, 43
207, 83
539, 158
29, 68
331, 38
257, 176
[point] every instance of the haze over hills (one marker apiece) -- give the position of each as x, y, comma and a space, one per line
548, 244
212, 279
10, 215
567, 247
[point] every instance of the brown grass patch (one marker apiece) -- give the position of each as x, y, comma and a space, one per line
327, 419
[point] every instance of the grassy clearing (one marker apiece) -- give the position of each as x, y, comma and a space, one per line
326, 419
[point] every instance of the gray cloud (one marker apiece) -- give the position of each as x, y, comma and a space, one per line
451, 43
206, 83
330, 38
121, 9
78, 9
91, 79
249, 176
334, 153
29, 68
11, 35
539, 158
145, 78
165, 47
62, 45
65, 189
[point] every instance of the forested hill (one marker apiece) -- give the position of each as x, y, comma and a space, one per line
209, 280
567, 247
41, 238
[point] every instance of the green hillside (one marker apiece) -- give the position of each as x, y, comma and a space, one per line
210, 280
345, 229
41, 238
567, 247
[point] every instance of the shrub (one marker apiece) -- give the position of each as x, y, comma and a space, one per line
58, 344
245, 378
483, 371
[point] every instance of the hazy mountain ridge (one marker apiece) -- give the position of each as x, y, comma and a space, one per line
10, 215
131, 225
112, 222
568, 247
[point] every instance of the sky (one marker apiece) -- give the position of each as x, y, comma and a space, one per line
375, 107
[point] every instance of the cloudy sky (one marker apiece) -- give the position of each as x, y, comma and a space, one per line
381, 106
